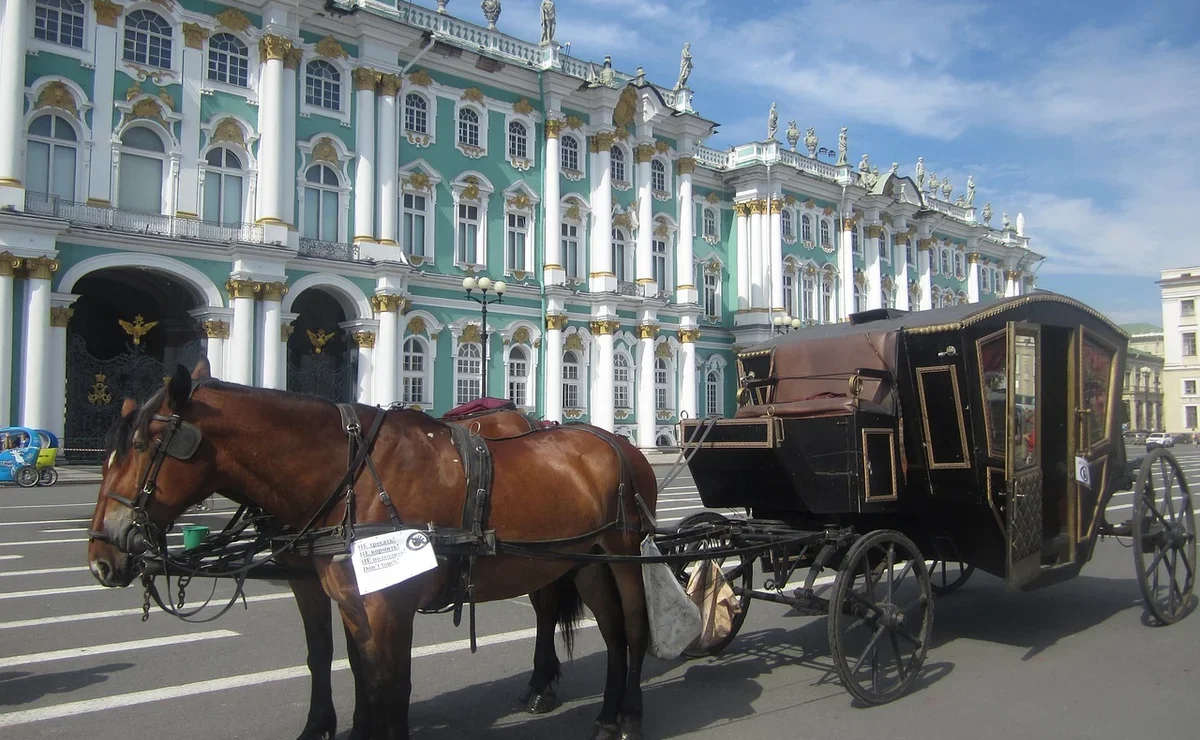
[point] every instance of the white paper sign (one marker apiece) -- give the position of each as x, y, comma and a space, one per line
387, 559
1083, 471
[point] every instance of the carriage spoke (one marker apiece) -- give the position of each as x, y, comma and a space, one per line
870, 645
869, 604
899, 656
903, 574
891, 567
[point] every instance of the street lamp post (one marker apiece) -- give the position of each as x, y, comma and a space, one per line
484, 284
784, 324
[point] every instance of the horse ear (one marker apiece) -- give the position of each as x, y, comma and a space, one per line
128, 406
203, 370
179, 389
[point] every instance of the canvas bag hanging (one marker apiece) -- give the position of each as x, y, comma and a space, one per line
709, 590
674, 618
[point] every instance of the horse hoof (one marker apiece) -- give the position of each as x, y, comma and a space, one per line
631, 729
605, 732
312, 733
542, 703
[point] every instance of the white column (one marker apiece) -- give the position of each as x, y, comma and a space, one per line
901, 260
273, 136
364, 339
775, 232
602, 405
645, 385
757, 209
60, 316
364, 143
35, 369
217, 333
387, 350
8, 267
604, 277
973, 277
273, 356
687, 370
554, 273
100, 179
287, 195
1012, 284
12, 102
555, 323
874, 269
284, 333
388, 135
846, 267
924, 255
240, 362
188, 204
743, 255
685, 271
643, 153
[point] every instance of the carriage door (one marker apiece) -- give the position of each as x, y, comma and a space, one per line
1024, 465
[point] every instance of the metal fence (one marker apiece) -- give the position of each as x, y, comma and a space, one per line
154, 224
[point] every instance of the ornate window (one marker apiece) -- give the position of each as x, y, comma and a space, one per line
808, 292
985, 279
143, 171
468, 233
946, 268
467, 367
710, 223
147, 39
859, 298
570, 380
412, 236
516, 255
51, 157
885, 249
617, 155
712, 306
413, 367
570, 250
224, 186
518, 140
416, 114
658, 176
622, 381
518, 376
620, 255
789, 290
569, 153
712, 393
959, 265
59, 22
228, 60
662, 385
786, 225
468, 127
910, 253
321, 204
856, 243
806, 232
658, 264
826, 234
827, 283
323, 85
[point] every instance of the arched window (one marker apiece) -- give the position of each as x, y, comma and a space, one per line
827, 283
51, 156
518, 376
617, 154
223, 187
518, 140
323, 85
468, 127
412, 236
885, 250
826, 237
658, 267
147, 39
808, 292
859, 298
786, 226
710, 223
712, 393
806, 232
620, 254
662, 385
946, 268
658, 176
570, 153
570, 380
143, 167
59, 22
571, 253
517, 239
467, 367
959, 265
663, 440
789, 290
855, 243
622, 382
321, 197
412, 372
416, 114
228, 60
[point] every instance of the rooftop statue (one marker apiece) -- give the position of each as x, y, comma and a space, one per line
548, 21
970, 190
772, 123
895, 169
685, 66
934, 183
491, 11
793, 134
920, 173
1004, 222
1020, 224
811, 141
864, 164
607, 75
841, 160
987, 213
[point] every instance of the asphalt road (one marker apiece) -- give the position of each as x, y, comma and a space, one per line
1071, 661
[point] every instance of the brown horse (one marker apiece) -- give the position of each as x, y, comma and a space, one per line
559, 603
560, 484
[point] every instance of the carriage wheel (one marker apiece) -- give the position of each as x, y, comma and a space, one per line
947, 577
47, 477
1164, 545
26, 476
741, 575
880, 617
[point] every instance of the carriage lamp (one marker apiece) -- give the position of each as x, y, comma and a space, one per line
484, 284
785, 323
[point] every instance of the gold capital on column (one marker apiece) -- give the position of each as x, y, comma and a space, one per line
194, 35
689, 336
553, 128
291, 60
643, 153
1013, 274
61, 315
605, 326
285, 332
874, 231
973, 257
273, 291
365, 78
9, 264
388, 303
556, 321
647, 331
364, 339
602, 141
274, 47
107, 12
389, 84
925, 245
240, 288
41, 268
216, 329
685, 165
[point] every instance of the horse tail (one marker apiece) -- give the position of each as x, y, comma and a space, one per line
569, 605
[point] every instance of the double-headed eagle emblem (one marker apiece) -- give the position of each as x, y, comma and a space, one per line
319, 340
138, 329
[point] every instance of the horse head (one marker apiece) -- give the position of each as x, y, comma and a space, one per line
156, 466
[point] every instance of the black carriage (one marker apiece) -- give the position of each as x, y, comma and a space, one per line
898, 444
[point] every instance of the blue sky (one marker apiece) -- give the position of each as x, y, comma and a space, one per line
1082, 114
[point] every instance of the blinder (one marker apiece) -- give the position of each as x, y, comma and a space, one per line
181, 439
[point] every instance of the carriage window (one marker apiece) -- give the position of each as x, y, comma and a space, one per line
993, 372
1025, 415
942, 416
1097, 377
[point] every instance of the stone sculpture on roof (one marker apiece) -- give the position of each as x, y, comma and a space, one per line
841, 160
793, 135
685, 66
920, 173
811, 141
772, 123
548, 21
970, 190
491, 12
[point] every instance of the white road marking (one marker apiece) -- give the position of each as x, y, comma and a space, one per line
49, 592
89, 616
43, 571
87, 706
11, 557
50, 506
24, 543
116, 647
88, 520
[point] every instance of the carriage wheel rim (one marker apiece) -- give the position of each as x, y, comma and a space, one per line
941, 584
740, 577
890, 604
1164, 524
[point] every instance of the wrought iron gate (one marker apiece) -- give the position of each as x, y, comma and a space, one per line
328, 376
96, 388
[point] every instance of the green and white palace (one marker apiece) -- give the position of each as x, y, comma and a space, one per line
298, 189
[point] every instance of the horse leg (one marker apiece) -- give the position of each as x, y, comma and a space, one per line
599, 592
557, 603
628, 577
361, 730
316, 614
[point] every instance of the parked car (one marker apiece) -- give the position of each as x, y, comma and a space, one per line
1159, 439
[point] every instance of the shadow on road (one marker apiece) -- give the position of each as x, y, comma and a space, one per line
19, 687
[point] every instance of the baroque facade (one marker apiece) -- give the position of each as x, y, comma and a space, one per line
1180, 333
298, 190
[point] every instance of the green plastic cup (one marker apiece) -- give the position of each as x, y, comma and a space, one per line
193, 535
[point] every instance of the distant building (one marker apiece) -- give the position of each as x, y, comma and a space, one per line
1181, 371
1142, 392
